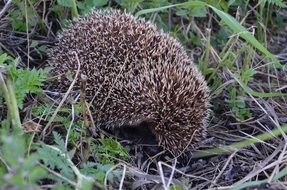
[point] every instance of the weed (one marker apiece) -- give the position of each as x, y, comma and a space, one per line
108, 150
87, 5
229, 62
24, 80
17, 169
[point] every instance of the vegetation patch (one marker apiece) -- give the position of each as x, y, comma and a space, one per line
49, 140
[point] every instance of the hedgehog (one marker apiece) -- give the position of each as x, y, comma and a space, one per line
136, 73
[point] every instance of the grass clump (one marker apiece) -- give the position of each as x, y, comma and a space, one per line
237, 46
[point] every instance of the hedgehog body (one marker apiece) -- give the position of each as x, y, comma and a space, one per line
135, 73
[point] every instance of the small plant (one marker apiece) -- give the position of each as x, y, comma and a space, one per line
72, 4
87, 5
231, 42
237, 105
97, 170
55, 157
39, 49
18, 169
108, 150
24, 81
24, 16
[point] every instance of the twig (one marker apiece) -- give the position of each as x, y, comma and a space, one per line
27, 34
83, 100
5, 163
34, 133
187, 175
261, 167
123, 178
165, 187
222, 170
85, 110
171, 175
70, 126
281, 157
65, 96
7, 5
108, 172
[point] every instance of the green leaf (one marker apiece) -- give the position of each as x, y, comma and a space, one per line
186, 4
55, 160
26, 81
249, 184
229, 20
247, 75
255, 93
4, 57
198, 12
279, 3
13, 149
37, 173
97, 3
65, 3
175, 187
242, 32
87, 5
59, 141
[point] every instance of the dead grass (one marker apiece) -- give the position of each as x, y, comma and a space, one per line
149, 170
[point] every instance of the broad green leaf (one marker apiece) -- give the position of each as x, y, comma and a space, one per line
242, 32
65, 3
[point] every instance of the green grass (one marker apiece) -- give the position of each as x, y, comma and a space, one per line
248, 101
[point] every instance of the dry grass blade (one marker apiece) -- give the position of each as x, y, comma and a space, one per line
245, 145
5, 8
65, 96
69, 128
222, 170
